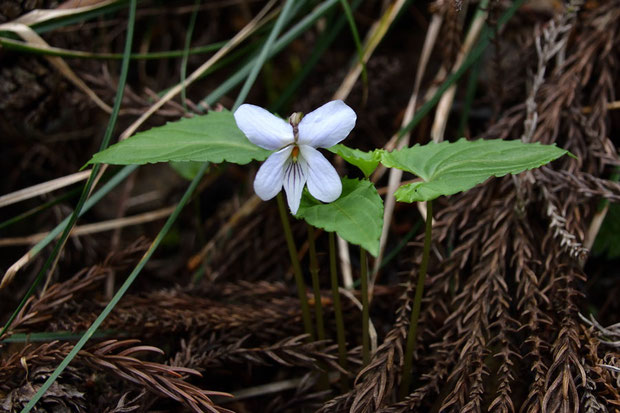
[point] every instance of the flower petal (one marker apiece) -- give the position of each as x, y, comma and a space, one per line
270, 175
295, 176
327, 125
323, 181
263, 128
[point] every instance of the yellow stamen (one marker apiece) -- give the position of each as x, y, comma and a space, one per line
295, 153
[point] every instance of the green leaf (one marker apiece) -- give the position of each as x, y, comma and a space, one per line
366, 161
213, 137
447, 168
357, 216
187, 169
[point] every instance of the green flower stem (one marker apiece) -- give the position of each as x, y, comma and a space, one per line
365, 309
314, 272
342, 346
301, 287
318, 306
417, 303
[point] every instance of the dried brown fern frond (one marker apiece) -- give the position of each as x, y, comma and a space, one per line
38, 310
568, 240
451, 31
127, 403
560, 386
599, 392
377, 380
581, 183
167, 381
116, 358
290, 352
14, 368
478, 310
305, 397
162, 312
533, 305
241, 290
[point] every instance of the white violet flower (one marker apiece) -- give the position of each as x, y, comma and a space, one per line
296, 162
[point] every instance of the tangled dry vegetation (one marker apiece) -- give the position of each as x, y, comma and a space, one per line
515, 306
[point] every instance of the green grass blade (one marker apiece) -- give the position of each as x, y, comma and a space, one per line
61, 22
21, 46
188, 41
265, 51
119, 294
53, 335
87, 187
39, 208
282, 42
470, 94
92, 201
358, 44
326, 39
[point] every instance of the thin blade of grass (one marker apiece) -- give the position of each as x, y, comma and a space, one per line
30, 36
470, 94
41, 16
188, 41
89, 184
279, 44
250, 28
445, 104
395, 176
358, 45
93, 200
22, 46
265, 51
94, 228
39, 208
476, 53
53, 336
326, 39
42, 188
119, 294
376, 33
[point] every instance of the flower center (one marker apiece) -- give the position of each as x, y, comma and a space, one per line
295, 153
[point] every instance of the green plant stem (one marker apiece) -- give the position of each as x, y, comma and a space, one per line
417, 303
365, 308
342, 345
299, 279
316, 286
318, 305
